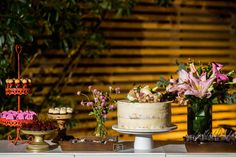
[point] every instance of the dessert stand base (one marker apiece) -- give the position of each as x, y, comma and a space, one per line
143, 142
143, 137
38, 147
38, 144
61, 120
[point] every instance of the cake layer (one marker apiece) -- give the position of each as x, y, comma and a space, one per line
143, 123
134, 115
136, 110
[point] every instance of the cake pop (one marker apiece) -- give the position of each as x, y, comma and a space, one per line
29, 83
10, 83
17, 83
24, 82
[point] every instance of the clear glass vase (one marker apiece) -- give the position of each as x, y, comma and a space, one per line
200, 117
100, 130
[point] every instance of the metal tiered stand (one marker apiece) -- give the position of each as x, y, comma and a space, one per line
17, 91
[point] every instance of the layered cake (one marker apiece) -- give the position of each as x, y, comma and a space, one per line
144, 110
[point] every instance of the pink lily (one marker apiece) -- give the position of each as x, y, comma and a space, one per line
234, 80
221, 77
183, 76
192, 68
216, 72
216, 67
199, 88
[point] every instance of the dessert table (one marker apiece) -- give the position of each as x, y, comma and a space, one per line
161, 149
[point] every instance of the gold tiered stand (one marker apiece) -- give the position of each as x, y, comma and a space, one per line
61, 120
38, 144
18, 92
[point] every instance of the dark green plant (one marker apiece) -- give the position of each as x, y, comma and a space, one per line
70, 25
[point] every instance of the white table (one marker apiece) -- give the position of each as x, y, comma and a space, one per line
172, 150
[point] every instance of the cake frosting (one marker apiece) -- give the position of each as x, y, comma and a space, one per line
135, 115
143, 110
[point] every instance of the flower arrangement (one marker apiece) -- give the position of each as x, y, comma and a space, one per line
101, 103
199, 87
144, 94
197, 83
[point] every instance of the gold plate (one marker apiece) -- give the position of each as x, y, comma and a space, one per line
59, 116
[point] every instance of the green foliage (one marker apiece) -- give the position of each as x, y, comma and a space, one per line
231, 98
39, 24
162, 82
181, 66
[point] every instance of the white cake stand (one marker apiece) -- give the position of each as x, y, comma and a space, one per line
143, 137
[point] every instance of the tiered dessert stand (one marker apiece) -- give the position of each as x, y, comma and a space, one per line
143, 137
13, 90
61, 120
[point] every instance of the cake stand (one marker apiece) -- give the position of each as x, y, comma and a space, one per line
38, 144
17, 91
61, 120
143, 137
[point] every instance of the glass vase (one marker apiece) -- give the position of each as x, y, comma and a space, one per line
199, 117
100, 130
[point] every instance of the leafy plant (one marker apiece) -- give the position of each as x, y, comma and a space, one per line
70, 25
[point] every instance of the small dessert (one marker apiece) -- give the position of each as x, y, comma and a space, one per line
51, 110
11, 83
29, 83
17, 83
69, 110
56, 110
20, 116
24, 82
14, 115
60, 110
7, 83
29, 116
4, 115
10, 117
63, 110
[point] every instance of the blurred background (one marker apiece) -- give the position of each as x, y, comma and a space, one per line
69, 45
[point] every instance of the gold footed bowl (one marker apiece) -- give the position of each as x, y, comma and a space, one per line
38, 144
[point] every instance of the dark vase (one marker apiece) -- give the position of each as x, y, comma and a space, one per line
200, 117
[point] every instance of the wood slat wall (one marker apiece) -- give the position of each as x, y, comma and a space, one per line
143, 47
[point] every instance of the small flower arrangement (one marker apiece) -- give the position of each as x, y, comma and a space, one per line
101, 103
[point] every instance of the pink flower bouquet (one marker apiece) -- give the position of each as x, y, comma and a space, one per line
203, 82
199, 87
101, 103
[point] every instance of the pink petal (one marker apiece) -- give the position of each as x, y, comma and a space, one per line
203, 76
192, 68
206, 84
221, 77
183, 76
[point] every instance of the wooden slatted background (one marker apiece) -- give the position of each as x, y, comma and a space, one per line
145, 46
